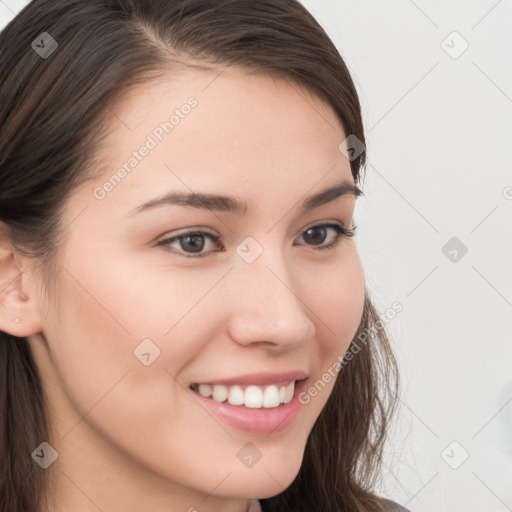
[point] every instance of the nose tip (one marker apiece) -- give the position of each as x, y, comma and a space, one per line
270, 314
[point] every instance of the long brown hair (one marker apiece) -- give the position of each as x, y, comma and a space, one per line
52, 121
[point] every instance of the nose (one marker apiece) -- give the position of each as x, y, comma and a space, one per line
269, 305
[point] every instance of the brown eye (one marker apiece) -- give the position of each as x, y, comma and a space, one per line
190, 243
316, 235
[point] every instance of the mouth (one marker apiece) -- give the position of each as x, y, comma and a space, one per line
249, 395
259, 404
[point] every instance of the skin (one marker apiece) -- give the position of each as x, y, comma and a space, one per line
132, 437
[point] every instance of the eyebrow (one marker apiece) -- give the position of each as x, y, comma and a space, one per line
235, 206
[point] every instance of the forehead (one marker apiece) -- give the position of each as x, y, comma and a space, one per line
223, 130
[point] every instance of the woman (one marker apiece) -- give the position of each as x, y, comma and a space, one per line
184, 319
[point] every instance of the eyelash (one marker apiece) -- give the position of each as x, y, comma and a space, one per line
341, 231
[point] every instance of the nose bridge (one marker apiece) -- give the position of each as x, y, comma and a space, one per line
267, 307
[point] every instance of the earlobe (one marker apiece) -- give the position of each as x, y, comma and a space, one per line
18, 312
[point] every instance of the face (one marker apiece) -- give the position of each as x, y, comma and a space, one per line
152, 300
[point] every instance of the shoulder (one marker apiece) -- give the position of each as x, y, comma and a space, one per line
392, 506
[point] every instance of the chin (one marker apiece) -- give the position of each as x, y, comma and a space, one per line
264, 480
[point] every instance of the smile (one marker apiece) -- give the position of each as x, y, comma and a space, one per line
251, 396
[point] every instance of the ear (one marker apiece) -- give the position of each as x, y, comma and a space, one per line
19, 313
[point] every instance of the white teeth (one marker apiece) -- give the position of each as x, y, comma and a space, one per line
288, 395
220, 392
205, 390
236, 395
253, 397
271, 397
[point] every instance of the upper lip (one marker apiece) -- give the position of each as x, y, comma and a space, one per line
258, 379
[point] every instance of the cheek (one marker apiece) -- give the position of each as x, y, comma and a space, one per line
338, 299
102, 318
110, 316
91, 346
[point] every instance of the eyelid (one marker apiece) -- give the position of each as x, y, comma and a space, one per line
341, 232
322, 223
187, 231
202, 229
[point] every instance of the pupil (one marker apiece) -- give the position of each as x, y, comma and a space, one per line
192, 240
316, 240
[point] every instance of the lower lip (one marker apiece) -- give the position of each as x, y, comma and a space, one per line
259, 421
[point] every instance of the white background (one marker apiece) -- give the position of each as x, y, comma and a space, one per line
439, 147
